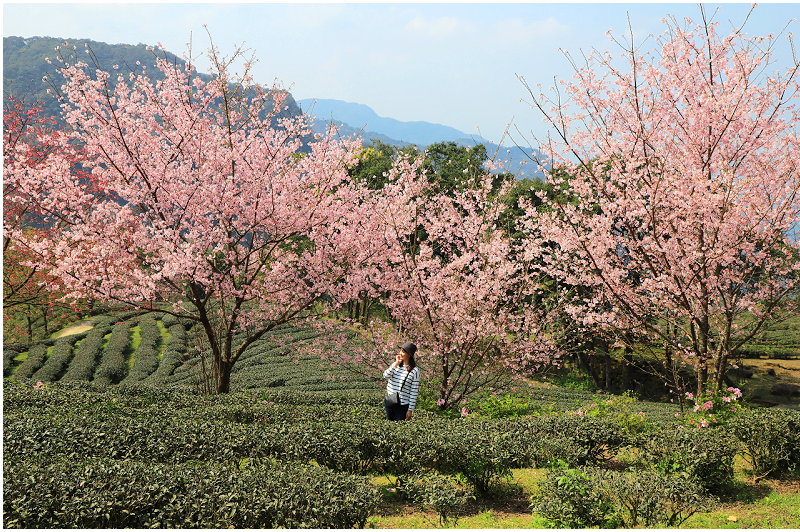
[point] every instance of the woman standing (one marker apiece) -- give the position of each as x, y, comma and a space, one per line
403, 377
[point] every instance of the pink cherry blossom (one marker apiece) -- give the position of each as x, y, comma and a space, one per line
681, 184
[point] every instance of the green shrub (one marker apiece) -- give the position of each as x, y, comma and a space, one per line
705, 455
568, 498
8, 360
83, 363
493, 406
622, 410
437, 492
36, 359
770, 439
145, 358
589, 439
59, 359
588, 497
113, 367
122, 493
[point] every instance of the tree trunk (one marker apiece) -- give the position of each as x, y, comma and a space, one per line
627, 372
224, 378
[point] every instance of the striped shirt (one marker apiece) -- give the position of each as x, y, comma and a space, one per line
408, 395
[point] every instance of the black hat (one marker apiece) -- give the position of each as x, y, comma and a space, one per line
409, 348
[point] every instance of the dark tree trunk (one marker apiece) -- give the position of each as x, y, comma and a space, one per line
224, 378
627, 372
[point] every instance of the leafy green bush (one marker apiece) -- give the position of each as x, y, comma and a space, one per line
8, 360
589, 497
122, 493
494, 406
83, 363
36, 359
705, 455
591, 440
113, 367
59, 359
622, 410
770, 439
174, 353
568, 498
438, 492
145, 358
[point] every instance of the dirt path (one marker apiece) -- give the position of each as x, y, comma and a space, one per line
75, 329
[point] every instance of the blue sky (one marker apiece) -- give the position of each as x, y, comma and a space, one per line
449, 63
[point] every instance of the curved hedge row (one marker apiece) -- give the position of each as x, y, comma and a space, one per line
8, 360
113, 367
37, 355
129, 494
82, 366
58, 361
173, 355
145, 358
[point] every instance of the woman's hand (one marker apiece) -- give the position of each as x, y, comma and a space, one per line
398, 361
408, 415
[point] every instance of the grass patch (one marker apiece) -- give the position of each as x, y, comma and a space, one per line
19, 359
165, 336
776, 510
136, 339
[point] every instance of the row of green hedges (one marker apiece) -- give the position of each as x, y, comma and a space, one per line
59, 359
145, 358
37, 355
174, 353
129, 494
113, 365
9, 355
83, 363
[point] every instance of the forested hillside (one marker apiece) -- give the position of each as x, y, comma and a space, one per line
25, 65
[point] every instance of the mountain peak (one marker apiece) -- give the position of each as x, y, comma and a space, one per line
361, 116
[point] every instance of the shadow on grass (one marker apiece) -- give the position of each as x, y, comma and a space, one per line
744, 492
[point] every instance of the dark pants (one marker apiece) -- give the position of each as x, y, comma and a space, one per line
397, 413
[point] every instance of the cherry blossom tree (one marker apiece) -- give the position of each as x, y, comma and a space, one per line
214, 200
452, 285
681, 177
29, 140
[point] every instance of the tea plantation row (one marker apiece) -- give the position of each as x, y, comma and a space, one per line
79, 454
166, 355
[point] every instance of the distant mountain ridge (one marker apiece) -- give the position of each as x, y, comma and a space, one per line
24, 66
360, 119
359, 115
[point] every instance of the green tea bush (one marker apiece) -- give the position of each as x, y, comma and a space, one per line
568, 498
58, 361
622, 410
8, 360
36, 359
145, 358
705, 455
770, 439
113, 366
173, 355
437, 492
130, 494
83, 363
591, 440
591, 497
